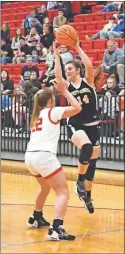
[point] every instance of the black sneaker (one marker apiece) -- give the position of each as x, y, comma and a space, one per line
80, 190
60, 235
32, 223
88, 204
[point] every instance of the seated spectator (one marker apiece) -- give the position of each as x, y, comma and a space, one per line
33, 51
66, 56
38, 26
51, 5
42, 13
21, 53
59, 20
29, 91
6, 112
26, 70
33, 80
122, 120
6, 53
114, 6
111, 58
110, 85
16, 39
121, 71
5, 33
109, 108
65, 6
7, 86
117, 31
108, 27
33, 34
47, 22
19, 111
41, 53
47, 38
50, 57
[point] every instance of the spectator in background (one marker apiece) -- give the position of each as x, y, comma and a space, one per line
33, 34
6, 53
108, 27
51, 5
50, 57
117, 31
122, 119
34, 80
33, 51
5, 33
21, 53
114, 6
65, 6
59, 20
47, 22
38, 26
7, 86
16, 39
110, 85
42, 14
109, 108
111, 58
121, 71
65, 55
26, 70
47, 38
41, 53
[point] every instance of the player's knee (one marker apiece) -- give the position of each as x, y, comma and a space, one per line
85, 153
91, 170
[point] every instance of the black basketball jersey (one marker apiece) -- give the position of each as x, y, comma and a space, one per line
87, 98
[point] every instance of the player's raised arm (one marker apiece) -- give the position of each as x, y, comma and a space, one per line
89, 73
58, 69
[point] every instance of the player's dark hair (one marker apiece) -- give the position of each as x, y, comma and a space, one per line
41, 99
75, 64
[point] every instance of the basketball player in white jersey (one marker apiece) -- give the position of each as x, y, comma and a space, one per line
41, 159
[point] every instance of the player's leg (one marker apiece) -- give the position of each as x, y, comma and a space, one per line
58, 183
37, 220
89, 177
82, 142
94, 135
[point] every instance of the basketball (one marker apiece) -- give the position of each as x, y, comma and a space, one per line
66, 35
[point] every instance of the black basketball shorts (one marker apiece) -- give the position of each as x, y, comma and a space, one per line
93, 132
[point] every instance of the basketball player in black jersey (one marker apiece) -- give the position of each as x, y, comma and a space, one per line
83, 129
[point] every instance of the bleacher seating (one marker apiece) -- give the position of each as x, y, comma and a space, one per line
85, 24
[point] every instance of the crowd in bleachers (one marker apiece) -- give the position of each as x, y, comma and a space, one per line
27, 57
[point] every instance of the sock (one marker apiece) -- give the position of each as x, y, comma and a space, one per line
57, 223
37, 215
81, 178
89, 194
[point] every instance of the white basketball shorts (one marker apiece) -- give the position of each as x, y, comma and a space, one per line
42, 163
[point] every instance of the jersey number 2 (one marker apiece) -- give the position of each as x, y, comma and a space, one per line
38, 125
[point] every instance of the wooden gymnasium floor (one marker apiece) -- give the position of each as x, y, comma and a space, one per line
102, 232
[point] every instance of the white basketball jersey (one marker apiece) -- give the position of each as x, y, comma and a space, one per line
45, 136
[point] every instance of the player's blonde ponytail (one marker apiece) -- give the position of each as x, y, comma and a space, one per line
36, 110
40, 101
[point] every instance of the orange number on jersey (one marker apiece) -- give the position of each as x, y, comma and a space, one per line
38, 125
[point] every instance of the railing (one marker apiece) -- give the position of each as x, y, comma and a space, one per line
16, 113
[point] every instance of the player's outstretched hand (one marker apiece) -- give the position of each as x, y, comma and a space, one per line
61, 85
